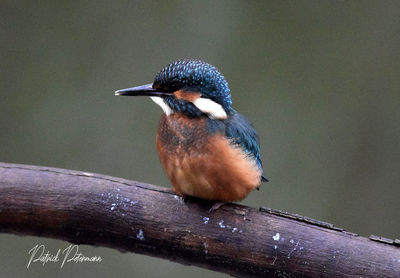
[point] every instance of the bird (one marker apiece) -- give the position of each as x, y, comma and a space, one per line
207, 149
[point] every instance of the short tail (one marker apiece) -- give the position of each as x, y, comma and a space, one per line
263, 179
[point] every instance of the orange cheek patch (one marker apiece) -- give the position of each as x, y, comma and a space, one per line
188, 96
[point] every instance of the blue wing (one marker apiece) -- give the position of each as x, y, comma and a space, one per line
242, 133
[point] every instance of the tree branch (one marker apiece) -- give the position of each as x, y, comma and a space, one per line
86, 208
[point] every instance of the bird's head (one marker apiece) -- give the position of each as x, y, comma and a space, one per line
192, 87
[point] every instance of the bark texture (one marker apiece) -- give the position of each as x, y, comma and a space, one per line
94, 209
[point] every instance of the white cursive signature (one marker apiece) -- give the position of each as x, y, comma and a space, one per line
70, 254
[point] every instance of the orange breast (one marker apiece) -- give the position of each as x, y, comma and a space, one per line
201, 164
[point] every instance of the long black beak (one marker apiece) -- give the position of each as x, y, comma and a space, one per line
144, 90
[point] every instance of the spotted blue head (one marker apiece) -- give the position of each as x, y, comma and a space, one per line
192, 87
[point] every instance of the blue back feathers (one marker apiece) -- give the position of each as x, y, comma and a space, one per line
242, 133
237, 128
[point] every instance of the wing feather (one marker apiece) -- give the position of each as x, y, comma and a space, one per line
243, 134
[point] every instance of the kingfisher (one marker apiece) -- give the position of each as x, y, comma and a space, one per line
206, 148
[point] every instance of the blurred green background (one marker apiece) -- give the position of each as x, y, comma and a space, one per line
320, 80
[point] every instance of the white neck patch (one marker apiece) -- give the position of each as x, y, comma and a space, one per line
165, 107
211, 108
205, 105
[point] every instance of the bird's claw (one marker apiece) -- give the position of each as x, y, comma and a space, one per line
216, 206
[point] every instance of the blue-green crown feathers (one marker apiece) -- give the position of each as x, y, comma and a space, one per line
194, 75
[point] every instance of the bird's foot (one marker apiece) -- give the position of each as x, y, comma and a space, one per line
182, 199
216, 206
